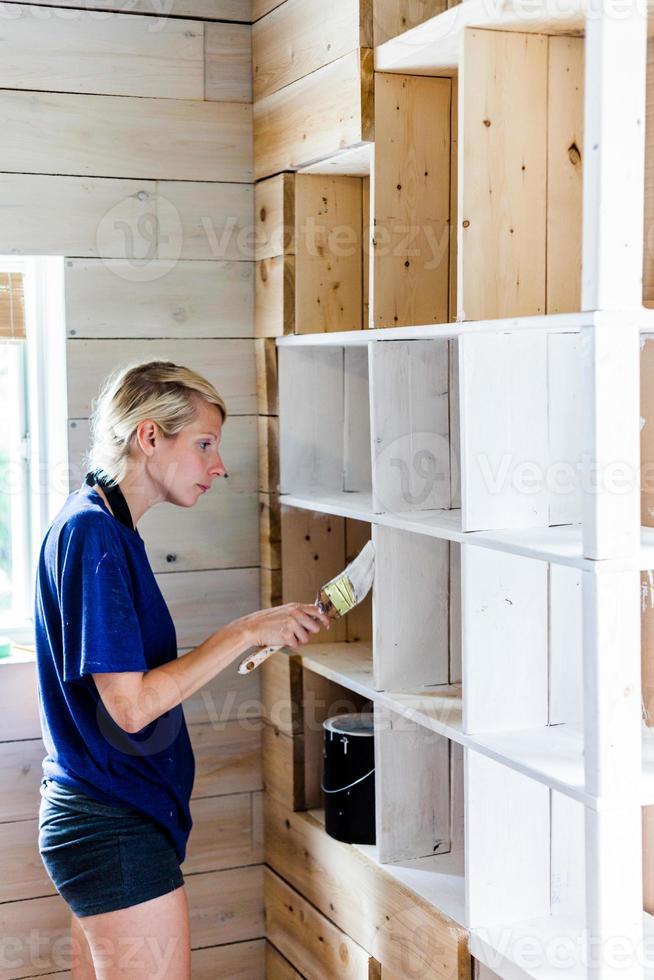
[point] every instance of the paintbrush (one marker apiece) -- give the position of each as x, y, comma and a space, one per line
336, 598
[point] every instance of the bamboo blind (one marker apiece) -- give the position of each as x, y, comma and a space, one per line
12, 306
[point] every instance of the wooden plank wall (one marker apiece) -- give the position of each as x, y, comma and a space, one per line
128, 144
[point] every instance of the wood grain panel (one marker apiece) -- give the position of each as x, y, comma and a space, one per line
228, 696
308, 939
358, 622
202, 602
238, 961
228, 62
395, 925
565, 155
270, 530
328, 110
648, 223
222, 834
226, 906
393, 17
328, 253
22, 873
268, 453
275, 216
313, 552
227, 364
275, 296
121, 136
187, 299
277, 968
411, 200
301, 36
110, 54
20, 778
504, 180
227, 758
281, 692
205, 221
262, 7
232, 10
113, 218
283, 767
265, 358
270, 591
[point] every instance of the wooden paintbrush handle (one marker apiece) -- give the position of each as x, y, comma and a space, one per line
256, 659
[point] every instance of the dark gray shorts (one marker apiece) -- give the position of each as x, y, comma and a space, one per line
101, 858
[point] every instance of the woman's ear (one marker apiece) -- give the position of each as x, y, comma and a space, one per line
147, 434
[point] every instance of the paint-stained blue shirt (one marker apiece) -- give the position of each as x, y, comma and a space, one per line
99, 609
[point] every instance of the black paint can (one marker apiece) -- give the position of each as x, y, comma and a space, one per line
349, 778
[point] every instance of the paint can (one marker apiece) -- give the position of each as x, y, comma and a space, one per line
349, 777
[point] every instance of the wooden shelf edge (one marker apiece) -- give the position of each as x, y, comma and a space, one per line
559, 545
547, 323
435, 46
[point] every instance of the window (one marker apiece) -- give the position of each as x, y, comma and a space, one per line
33, 456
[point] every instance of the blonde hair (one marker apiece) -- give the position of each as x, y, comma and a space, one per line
157, 390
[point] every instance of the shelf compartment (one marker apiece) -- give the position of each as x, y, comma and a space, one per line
520, 430
324, 420
412, 789
411, 426
308, 278
413, 200
552, 755
504, 619
411, 614
520, 190
315, 548
480, 423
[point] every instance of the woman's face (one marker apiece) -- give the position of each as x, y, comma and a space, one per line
184, 466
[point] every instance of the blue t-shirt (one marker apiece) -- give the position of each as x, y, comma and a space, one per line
99, 609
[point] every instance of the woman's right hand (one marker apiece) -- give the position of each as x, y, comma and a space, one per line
287, 625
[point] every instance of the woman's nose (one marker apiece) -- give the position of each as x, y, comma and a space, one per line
218, 468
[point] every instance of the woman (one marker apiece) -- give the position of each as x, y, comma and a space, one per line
114, 818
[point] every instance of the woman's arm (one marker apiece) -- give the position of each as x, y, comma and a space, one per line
134, 699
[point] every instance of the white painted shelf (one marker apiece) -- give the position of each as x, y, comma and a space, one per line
560, 545
518, 951
439, 879
551, 323
552, 755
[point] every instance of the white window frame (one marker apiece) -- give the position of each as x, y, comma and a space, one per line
43, 444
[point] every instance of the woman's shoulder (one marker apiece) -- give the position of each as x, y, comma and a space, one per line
83, 522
